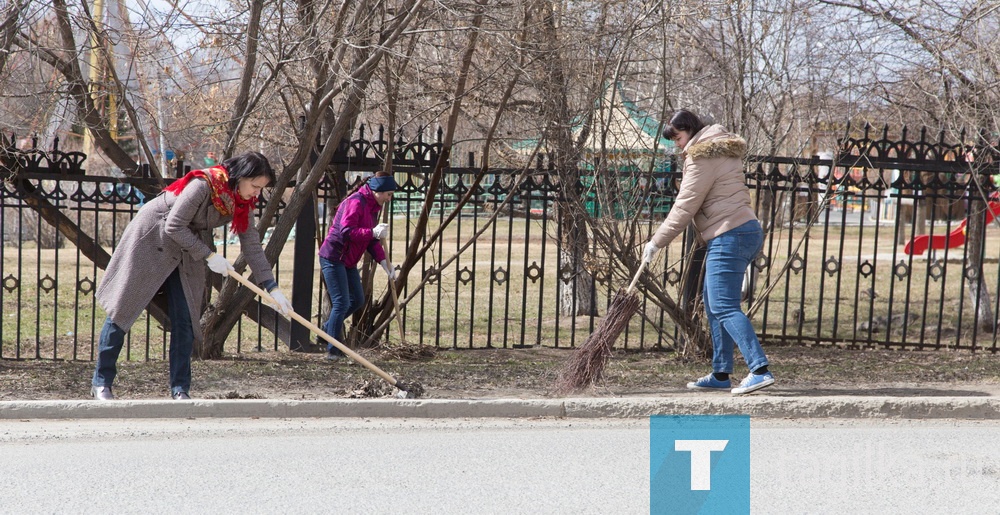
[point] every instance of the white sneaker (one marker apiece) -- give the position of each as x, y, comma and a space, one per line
102, 393
754, 382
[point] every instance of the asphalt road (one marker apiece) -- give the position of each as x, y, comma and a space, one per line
357, 466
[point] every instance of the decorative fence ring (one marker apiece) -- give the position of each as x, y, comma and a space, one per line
47, 283
534, 272
85, 286
935, 270
901, 270
866, 269
11, 283
500, 275
465, 275
797, 264
831, 266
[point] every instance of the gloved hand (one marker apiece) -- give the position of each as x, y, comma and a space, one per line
389, 269
281, 302
380, 231
649, 252
219, 264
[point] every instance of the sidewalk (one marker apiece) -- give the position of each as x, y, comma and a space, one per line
985, 407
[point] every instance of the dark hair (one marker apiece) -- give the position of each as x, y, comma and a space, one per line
683, 120
248, 165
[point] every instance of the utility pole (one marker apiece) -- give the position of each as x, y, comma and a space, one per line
95, 70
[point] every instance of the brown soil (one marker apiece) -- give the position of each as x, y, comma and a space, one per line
514, 373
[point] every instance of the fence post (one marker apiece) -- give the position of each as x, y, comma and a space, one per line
305, 256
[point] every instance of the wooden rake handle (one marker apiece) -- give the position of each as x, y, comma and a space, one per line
316, 330
638, 274
399, 316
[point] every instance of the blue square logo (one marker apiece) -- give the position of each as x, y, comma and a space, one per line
699, 464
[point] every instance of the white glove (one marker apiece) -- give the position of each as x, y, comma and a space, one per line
389, 270
281, 302
380, 231
219, 264
649, 252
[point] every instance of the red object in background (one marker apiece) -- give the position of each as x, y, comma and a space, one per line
956, 238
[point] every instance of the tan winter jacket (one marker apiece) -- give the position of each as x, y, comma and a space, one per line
713, 191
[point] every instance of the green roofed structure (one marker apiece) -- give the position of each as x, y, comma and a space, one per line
626, 142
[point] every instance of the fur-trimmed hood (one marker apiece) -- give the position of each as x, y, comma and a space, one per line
715, 141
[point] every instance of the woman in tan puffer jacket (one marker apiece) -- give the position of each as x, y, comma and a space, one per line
713, 194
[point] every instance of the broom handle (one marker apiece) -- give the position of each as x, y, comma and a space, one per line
312, 327
635, 279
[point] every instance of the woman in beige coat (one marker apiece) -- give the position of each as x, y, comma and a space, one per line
166, 246
713, 194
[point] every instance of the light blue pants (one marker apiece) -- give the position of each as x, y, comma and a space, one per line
727, 258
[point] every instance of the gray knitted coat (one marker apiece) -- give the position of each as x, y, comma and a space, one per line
167, 233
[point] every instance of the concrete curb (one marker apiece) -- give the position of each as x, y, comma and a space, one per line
783, 407
980, 408
354, 408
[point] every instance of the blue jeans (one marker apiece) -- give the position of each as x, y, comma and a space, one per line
181, 341
728, 256
346, 297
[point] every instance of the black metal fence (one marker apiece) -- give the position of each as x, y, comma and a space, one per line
891, 242
839, 266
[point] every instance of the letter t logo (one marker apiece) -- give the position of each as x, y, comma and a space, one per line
701, 460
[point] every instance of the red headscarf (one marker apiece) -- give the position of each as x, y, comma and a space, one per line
225, 201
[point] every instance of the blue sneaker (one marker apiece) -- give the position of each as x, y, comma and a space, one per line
754, 382
709, 382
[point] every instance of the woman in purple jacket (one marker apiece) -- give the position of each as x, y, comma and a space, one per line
352, 232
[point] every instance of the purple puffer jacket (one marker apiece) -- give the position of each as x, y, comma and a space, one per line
351, 230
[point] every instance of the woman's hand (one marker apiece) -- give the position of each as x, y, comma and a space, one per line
380, 231
389, 270
649, 253
219, 264
281, 302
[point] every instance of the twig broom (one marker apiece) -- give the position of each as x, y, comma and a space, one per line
586, 366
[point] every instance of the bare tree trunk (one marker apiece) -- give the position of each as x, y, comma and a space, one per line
8, 29
976, 286
219, 320
67, 63
577, 296
242, 102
